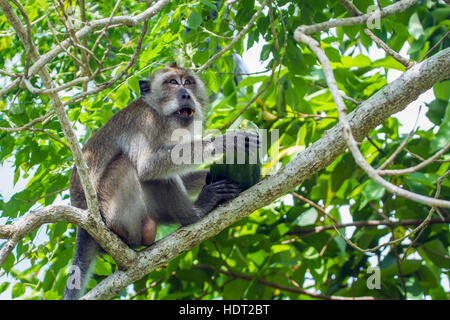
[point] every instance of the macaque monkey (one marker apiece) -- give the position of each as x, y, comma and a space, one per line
131, 164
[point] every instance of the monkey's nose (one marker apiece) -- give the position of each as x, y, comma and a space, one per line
183, 94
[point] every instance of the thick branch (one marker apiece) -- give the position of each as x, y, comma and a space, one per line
372, 112
33, 220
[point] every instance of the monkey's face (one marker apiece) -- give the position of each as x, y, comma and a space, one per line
177, 94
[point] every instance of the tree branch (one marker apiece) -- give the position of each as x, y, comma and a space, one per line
368, 223
401, 146
355, 12
34, 219
395, 8
421, 165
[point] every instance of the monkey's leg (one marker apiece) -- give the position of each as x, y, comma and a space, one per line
171, 202
86, 250
123, 204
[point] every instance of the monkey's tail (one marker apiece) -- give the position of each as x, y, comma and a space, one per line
86, 251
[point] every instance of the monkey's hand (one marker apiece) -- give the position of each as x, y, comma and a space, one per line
215, 193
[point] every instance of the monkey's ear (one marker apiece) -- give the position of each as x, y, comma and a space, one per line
144, 87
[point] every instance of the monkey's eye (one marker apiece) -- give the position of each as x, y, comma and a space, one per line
187, 82
173, 81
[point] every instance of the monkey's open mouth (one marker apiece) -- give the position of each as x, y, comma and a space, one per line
185, 112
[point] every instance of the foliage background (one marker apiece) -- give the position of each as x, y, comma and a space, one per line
269, 255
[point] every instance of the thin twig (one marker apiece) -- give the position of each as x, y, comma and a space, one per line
252, 100
375, 145
395, 8
119, 75
75, 41
434, 47
355, 12
29, 124
402, 145
215, 34
236, 39
414, 155
50, 135
278, 286
42, 197
103, 32
436, 195
368, 223
353, 245
421, 165
28, 35
10, 74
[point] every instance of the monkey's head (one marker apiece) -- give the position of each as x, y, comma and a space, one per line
175, 93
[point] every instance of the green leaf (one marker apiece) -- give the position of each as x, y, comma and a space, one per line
209, 4
249, 81
18, 290
4, 286
258, 257
427, 278
442, 136
436, 252
16, 109
9, 262
436, 110
311, 253
415, 27
373, 191
122, 96
359, 61
234, 289
442, 90
194, 20
306, 218
102, 268
408, 267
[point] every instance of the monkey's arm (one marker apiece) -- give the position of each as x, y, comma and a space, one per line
194, 181
177, 159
